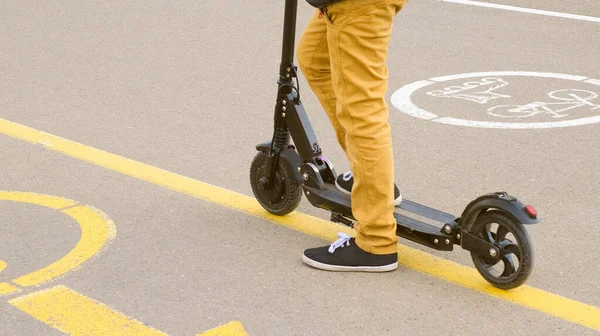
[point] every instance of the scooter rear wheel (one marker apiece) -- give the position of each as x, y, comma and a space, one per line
285, 194
515, 262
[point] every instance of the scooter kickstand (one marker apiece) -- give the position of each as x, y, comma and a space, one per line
338, 218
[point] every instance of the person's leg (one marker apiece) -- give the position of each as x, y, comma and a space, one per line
358, 36
314, 62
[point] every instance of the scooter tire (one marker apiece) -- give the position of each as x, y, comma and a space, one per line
518, 246
284, 197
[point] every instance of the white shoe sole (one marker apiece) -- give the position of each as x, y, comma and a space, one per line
335, 268
397, 201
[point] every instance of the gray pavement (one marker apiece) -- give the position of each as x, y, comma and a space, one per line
190, 88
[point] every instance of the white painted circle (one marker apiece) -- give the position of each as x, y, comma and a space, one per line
401, 99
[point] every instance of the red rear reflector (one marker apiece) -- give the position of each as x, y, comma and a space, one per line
531, 211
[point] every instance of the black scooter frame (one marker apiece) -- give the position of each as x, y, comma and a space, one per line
317, 175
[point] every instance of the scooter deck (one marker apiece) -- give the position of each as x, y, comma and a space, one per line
426, 211
407, 206
414, 220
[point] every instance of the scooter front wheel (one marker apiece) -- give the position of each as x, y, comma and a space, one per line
513, 265
285, 193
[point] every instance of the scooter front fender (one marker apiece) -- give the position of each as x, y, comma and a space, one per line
289, 157
263, 147
500, 201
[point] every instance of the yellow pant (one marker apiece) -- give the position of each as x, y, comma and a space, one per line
343, 55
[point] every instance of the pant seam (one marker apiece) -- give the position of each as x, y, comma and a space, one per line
323, 37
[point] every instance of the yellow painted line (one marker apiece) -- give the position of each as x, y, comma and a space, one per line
6, 288
537, 299
234, 328
549, 303
74, 314
48, 201
96, 230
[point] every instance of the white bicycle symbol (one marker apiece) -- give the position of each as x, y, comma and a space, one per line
571, 98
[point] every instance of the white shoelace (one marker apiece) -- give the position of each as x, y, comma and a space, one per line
347, 176
343, 239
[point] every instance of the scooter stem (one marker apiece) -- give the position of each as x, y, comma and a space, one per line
289, 41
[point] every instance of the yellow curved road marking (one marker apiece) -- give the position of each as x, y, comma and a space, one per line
4, 287
549, 303
47, 201
96, 231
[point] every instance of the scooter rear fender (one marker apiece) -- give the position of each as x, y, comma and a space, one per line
500, 201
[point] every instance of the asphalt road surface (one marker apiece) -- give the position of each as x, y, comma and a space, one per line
127, 130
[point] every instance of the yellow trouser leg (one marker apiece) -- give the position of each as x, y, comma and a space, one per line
357, 39
314, 62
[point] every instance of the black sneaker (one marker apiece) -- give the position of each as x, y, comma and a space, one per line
344, 255
345, 181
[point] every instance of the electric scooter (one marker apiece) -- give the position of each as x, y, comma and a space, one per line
491, 227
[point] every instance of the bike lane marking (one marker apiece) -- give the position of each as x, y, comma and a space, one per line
467, 277
401, 100
63, 308
525, 10
593, 81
